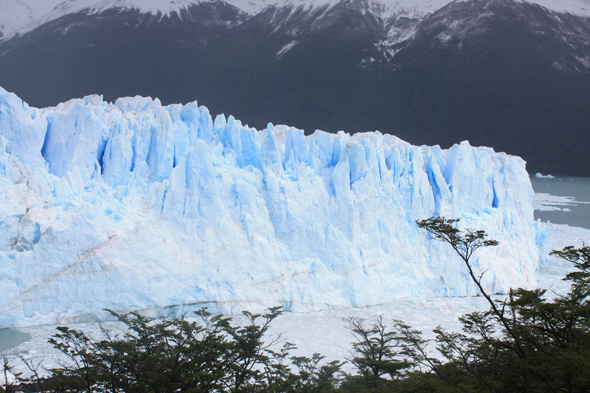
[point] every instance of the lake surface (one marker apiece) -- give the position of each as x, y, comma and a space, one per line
11, 338
573, 208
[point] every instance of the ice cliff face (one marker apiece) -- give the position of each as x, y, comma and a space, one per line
135, 205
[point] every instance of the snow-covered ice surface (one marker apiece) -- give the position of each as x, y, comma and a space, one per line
134, 205
326, 332
548, 202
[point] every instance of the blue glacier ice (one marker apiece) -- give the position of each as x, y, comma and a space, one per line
137, 206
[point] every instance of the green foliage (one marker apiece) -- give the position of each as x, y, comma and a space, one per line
378, 350
378, 355
525, 343
167, 356
176, 355
465, 242
528, 342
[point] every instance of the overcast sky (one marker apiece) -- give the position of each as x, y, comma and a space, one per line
585, 1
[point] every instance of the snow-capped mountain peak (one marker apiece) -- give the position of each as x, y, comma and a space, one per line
411, 8
563, 6
151, 6
14, 14
38, 12
21, 16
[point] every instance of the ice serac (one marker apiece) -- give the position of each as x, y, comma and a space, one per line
135, 205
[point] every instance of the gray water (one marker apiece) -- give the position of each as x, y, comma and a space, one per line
11, 338
570, 186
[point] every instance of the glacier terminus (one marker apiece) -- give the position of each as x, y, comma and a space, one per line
133, 205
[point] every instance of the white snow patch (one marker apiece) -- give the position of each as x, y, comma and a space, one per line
584, 61
286, 48
563, 6
418, 9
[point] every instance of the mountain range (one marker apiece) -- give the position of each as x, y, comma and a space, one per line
510, 74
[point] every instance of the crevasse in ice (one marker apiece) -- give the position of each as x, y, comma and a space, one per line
137, 206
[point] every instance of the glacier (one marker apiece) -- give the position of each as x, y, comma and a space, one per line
133, 205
